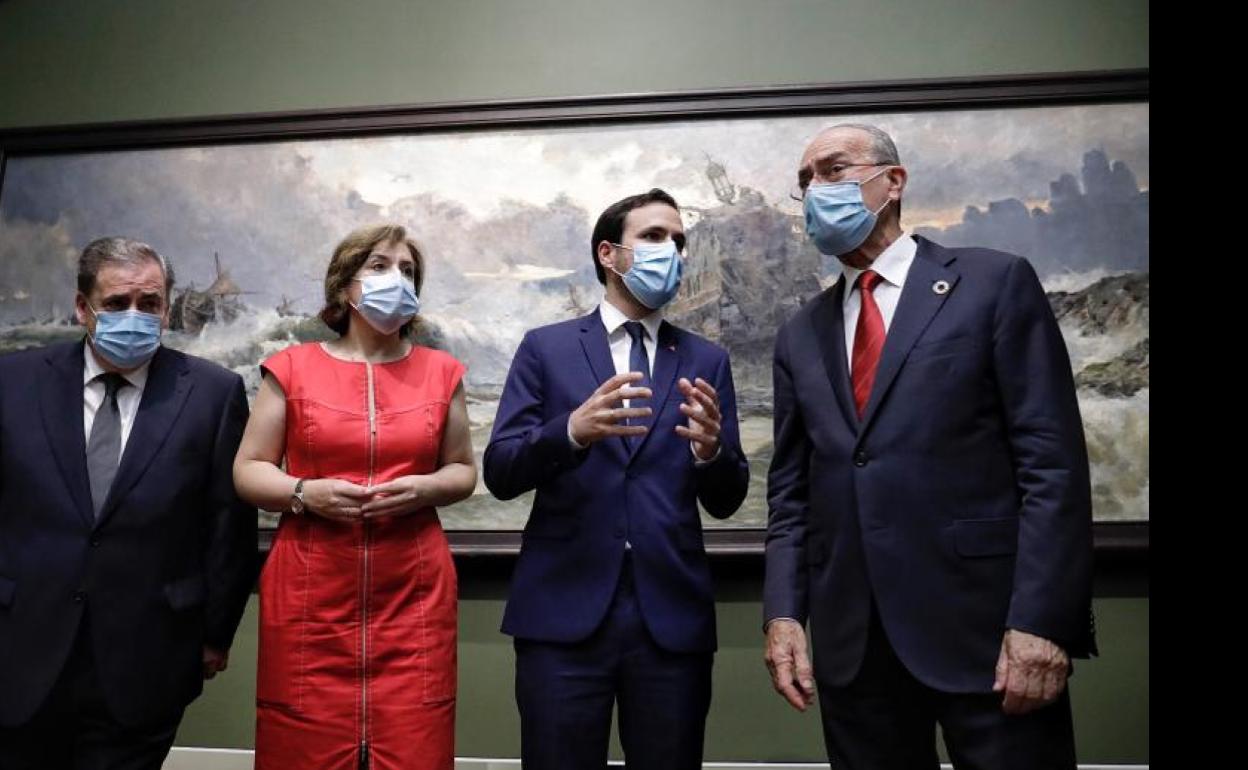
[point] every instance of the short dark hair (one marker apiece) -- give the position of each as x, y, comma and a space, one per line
115, 250
610, 225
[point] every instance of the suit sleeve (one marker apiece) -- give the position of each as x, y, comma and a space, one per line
788, 498
1053, 577
526, 448
723, 483
231, 541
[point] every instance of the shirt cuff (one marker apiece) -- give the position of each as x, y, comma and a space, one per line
773, 620
697, 461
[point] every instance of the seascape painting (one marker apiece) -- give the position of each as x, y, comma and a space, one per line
504, 218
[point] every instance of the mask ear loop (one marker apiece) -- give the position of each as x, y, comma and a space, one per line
887, 201
618, 246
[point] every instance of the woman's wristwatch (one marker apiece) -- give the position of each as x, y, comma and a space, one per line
296, 498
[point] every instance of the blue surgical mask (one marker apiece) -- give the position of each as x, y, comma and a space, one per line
655, 275
837, 220
387, 301
126, 338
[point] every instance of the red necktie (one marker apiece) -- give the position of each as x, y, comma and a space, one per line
868, 340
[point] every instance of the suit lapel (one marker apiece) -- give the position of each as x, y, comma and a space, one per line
598, 352
597, 348
828, 319
163, 397
61, 403
918, 304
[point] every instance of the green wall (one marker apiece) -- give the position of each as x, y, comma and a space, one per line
84, 61
1110, 693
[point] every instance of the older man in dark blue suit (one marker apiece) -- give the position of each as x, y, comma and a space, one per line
623, 423
929, 498
125, 556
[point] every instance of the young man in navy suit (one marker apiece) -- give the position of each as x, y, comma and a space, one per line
622, 423
930, 511
126, 557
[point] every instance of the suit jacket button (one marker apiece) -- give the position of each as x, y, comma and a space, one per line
80, 597
860, 458
95, 542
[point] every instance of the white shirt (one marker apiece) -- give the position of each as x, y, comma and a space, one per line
622, 344
127, 397
893, 265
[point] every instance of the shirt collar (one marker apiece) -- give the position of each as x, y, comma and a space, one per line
92, 369
893, 264
613, 319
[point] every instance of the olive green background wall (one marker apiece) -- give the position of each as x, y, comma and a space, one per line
748, 721
73, 61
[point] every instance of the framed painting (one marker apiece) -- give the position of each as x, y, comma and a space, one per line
502, 196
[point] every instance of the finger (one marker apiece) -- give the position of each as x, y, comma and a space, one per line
352, 491
637, 394
1033, 697
782, 680
616, 382
1002, 671
1052, 686
709, 403
1015, 691
624, 430
618, 395
381, 513
344, 514
700, 416
623, 413
805, 675
707, 388
697, 436
389, 487
386, 503
605, 418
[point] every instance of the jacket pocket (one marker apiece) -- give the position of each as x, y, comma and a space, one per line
986, 537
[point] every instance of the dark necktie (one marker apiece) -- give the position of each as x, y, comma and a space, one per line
638, 361
104, 445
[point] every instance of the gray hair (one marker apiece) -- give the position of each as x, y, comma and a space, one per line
882, 148
116, 250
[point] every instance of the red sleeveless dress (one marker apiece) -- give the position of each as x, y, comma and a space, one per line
358, 621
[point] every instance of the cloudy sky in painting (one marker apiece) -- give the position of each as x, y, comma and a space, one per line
490, 205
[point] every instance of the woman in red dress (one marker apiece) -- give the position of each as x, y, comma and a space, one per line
358, 594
